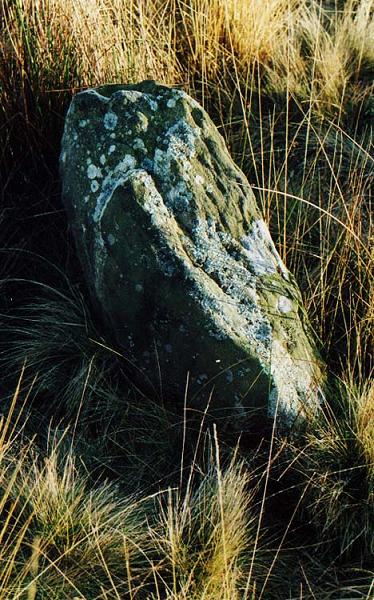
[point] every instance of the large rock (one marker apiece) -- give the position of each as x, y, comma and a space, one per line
177, 256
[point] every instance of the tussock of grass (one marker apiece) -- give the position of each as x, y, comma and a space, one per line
59, 534
339, 467
203, 536
52, 331
64, 536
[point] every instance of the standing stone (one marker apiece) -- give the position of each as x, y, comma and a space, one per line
178, 258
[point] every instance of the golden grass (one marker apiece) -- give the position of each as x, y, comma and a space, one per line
365, 424
338, 464
52, 45
306, 149
86, 42
207, 532
60, 538
63, 536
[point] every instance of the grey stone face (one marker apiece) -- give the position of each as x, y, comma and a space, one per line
178, 258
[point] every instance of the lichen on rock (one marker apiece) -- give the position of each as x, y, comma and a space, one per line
177, 256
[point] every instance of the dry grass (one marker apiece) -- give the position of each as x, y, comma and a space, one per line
289, 82
204, 535
338, 463
63, 535
59, 537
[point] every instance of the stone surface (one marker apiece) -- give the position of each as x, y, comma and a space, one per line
178, 258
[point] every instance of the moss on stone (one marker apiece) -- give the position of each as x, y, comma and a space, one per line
176, 253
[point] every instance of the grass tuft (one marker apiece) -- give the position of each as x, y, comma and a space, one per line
338, 465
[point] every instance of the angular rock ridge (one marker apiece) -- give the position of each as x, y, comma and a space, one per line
178, 258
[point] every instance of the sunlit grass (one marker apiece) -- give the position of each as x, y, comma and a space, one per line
338, 464
62, 536
59, 535
290, 83
208, 537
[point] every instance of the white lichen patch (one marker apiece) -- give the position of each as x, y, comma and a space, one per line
257, 252
284, 305
154, 203
83, 123
182, 95
114, 178
225, 294
293, 393
141, 122
152, 103
182, 137
103, 159
93, 172
171, 103
130, 95
138, 144
261, 251
178, 197
178, 148
111, 149
110, 120
199, 180
126, 164
111, 239
94, 186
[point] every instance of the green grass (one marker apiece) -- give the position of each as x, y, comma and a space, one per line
108, 493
